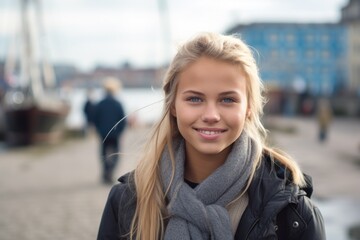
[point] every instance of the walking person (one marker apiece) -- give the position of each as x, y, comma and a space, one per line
89, 108
206, 172
110, 124
324, 117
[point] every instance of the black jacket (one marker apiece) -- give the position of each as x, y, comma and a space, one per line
107, 113
277, 209
89, 109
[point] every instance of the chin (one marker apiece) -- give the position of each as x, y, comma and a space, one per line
211, 150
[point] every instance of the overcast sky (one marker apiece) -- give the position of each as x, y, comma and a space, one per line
111, 32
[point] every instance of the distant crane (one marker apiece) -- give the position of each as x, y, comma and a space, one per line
166, 29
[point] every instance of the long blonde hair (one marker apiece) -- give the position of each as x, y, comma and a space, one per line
148, 221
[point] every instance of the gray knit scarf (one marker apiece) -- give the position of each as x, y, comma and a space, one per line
200, 213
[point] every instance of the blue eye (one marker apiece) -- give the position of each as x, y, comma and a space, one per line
228, 100
194, 99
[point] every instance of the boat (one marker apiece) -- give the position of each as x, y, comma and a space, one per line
33, 108
31, 120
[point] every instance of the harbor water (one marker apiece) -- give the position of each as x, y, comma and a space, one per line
142, 104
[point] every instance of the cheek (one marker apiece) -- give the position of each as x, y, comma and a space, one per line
175, 108
183, 110
239, 112
184, 116
236, 118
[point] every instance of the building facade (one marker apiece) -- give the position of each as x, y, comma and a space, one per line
302, 57
350, 16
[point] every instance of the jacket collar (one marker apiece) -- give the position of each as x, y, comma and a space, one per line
269, 192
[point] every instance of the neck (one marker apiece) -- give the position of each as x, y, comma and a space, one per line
199, 166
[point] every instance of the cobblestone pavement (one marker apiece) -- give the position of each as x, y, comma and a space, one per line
54, 192
49, 192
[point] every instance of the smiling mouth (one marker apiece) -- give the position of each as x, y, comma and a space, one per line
210, 132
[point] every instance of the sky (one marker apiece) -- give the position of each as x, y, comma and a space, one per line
88, 33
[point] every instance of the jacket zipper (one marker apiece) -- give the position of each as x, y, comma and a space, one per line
251, 228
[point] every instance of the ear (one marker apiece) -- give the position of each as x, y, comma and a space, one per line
248, 113
173, 110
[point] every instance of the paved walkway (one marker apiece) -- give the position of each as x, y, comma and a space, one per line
55, 192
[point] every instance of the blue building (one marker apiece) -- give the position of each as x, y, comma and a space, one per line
311, 57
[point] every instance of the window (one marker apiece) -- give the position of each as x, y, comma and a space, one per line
273, 38
325, 54
290, 38
291, 53
325, 38
310, 54
310, 38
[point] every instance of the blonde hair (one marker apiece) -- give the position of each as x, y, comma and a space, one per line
112, 85
150, 212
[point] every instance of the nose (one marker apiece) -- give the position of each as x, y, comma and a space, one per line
210, 113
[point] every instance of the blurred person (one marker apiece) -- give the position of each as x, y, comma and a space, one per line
206, 172
110, 124
89, 108
324, 118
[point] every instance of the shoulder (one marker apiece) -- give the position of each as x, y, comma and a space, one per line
123, 192
309, 213
122, 197
273, 192
302, 220
279, 171
105, 100
119, 211
113, 101
271, 172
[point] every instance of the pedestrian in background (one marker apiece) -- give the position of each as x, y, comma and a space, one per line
89, 109
110, 124
324, 117
206, 172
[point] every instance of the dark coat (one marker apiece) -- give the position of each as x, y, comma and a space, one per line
89, 109
108, 112
277, 209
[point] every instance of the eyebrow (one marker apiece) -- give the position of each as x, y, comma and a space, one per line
200, 93
229, 93
192, 92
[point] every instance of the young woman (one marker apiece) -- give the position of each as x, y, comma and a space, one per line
206, 173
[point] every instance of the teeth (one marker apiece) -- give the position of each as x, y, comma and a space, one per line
209, 132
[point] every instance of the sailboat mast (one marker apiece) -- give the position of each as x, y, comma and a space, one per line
47, 69
29, 64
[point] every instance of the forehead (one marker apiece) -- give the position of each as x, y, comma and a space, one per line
206, 72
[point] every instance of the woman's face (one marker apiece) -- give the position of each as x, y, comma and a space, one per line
210, 106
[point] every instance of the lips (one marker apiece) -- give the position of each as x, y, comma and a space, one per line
210, 132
